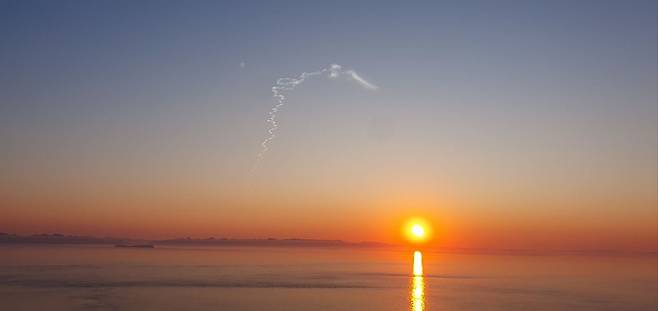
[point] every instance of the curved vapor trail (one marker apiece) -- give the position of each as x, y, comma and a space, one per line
284, 85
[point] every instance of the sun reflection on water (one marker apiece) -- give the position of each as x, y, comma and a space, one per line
417, 287
418, 263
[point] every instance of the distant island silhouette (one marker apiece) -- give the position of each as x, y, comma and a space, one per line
58, 238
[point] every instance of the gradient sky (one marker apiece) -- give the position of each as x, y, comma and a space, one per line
508, 124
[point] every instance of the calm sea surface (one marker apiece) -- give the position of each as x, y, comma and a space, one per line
39, 277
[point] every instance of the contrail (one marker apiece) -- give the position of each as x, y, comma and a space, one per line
284, 85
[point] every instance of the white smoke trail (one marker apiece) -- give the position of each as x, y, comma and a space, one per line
284, 85
360, 80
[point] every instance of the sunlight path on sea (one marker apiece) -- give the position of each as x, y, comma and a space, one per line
417, 286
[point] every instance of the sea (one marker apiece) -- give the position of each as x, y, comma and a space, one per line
104, 277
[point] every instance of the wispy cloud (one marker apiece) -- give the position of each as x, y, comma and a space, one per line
285, 85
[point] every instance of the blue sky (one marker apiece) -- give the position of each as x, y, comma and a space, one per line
552, 99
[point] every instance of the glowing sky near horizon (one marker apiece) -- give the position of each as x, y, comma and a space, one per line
507, 125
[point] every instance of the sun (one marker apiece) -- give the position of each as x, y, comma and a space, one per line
417, 230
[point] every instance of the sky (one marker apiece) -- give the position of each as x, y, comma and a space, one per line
506, 124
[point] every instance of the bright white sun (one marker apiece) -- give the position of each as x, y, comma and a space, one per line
418, 230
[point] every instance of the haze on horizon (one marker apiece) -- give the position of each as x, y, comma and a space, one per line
506, 130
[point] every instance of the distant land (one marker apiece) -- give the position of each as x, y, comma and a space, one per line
58, 238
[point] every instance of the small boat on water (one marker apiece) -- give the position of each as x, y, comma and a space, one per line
135, 245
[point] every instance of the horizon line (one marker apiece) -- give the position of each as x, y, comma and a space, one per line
59, 238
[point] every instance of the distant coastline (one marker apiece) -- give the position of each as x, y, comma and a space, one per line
58, 238
62, 239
